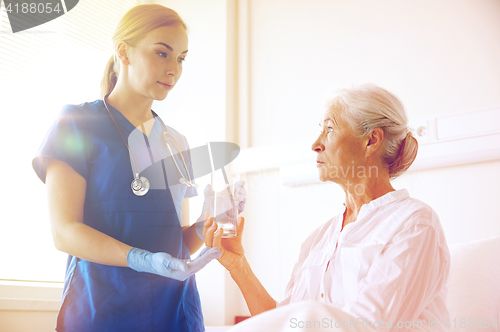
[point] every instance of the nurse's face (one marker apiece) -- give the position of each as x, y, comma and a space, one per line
340, 153
155, 63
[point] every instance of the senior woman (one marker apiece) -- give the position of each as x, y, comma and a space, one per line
384, 257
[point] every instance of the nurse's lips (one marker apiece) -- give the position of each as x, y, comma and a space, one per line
167, 86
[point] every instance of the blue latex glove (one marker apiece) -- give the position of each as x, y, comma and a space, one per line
208, 204
165, 265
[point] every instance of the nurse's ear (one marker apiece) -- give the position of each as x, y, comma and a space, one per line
122, 52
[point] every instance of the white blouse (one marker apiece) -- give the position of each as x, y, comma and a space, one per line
391, 264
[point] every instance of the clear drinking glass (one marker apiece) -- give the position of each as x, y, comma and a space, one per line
225, 206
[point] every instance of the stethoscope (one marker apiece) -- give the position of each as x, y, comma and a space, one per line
140, 184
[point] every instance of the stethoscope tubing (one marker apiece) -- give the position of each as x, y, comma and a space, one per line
134, 164
140, 185
183, 180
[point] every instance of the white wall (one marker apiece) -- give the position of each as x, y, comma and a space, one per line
437, 56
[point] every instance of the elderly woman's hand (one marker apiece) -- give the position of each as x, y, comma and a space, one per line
232, 250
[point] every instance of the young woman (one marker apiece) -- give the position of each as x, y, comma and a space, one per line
129, 267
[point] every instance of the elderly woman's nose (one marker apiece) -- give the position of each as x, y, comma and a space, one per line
318, 146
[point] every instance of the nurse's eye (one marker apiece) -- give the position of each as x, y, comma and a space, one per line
181, 60
162, 54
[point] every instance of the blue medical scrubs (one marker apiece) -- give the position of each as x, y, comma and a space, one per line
107, 298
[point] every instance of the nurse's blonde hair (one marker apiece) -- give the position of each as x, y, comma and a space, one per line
369, 106
133, 26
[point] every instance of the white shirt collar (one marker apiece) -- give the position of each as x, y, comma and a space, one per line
390, 197
386, 199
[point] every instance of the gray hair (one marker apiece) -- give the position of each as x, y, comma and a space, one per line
369, 106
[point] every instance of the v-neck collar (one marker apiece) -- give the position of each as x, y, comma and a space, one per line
124, 123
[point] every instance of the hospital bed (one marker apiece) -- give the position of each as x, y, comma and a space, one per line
473, 296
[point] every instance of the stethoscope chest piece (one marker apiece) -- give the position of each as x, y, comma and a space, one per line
140, 186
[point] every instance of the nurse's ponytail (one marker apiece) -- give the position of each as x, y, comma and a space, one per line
110, 77
133, 26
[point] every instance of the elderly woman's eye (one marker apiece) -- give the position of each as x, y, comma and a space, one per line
329, 129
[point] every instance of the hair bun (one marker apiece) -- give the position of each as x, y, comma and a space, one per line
407, 153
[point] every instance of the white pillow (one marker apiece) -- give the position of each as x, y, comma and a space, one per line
474, 286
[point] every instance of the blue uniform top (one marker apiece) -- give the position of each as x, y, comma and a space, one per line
108, 298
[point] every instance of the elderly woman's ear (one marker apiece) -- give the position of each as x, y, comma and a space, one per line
374, 142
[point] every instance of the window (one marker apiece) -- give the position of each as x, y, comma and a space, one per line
42, 69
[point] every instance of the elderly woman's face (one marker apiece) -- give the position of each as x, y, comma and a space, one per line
341, 155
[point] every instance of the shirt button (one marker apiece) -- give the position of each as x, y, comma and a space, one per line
322, 295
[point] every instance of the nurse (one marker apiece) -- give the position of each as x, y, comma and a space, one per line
129, 267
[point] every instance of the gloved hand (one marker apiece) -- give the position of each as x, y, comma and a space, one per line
208, 203
165, 265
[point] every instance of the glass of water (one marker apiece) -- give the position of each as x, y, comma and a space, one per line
225, 212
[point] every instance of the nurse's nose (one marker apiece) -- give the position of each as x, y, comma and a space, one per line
173, 68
